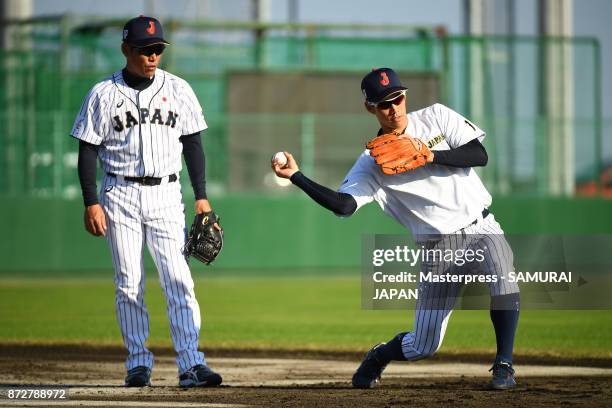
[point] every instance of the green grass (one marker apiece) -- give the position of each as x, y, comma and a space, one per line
275, 312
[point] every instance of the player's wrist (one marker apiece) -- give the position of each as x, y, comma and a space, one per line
202, 206
293, 176
90, 201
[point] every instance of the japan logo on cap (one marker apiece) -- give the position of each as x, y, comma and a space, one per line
151, 28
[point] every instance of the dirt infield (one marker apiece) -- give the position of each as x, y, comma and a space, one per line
95, 379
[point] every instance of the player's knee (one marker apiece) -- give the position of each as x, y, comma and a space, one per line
179, 293
428, 350
127, 291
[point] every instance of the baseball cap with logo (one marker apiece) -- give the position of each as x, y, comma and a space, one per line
143, 31
381, 84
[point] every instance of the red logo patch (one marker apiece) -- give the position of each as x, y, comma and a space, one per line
164, 98
151, 28
385, 80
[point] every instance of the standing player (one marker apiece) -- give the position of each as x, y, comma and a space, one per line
444, 197
137, 122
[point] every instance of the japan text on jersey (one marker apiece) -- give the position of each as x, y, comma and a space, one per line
143, 115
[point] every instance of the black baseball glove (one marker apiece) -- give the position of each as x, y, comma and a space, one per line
204, 241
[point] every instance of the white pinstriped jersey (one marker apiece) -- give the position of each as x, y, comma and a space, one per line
431, 199
139, 130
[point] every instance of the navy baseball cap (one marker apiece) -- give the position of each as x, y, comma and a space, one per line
143, 31
379, 84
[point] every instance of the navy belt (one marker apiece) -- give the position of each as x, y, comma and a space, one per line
146, 180
485, 212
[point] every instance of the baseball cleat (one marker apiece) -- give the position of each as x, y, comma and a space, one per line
503, 376
199, 376
138, 377
369, 371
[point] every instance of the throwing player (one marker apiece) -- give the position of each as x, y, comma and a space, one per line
137, 122
440, 196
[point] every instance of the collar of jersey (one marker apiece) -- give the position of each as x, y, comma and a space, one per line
380, 131
136, 82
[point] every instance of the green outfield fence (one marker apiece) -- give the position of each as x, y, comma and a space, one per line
501, 83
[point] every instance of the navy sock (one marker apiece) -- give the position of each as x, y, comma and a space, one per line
504, 315
392, 351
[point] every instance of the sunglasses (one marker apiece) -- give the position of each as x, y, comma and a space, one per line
387, 104
156, 49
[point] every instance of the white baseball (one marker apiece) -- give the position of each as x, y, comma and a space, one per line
280, 159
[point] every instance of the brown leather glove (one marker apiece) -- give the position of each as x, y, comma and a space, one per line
397, 154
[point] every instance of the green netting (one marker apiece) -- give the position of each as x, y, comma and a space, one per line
499, 82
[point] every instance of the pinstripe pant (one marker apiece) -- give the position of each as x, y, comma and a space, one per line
153, 215
436, 300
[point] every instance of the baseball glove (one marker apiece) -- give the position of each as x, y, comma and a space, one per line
398, 154
204, 241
